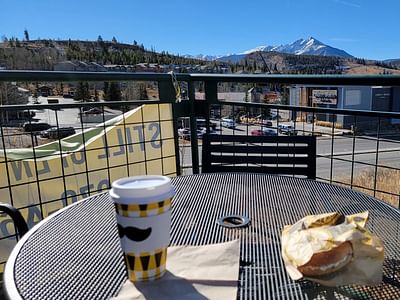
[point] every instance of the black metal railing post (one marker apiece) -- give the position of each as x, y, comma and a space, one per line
166, 92
193, 129
378, 130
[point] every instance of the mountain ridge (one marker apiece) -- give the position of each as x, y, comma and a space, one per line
84, 55
310, 46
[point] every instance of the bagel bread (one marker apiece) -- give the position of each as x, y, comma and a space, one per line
327, 262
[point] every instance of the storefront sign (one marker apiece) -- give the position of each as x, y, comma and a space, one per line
324, 97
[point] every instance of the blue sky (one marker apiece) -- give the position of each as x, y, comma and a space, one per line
363, 28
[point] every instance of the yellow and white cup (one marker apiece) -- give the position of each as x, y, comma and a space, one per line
142, 204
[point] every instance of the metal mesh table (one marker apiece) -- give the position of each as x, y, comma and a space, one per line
75, 254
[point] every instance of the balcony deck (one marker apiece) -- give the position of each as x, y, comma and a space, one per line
41, 175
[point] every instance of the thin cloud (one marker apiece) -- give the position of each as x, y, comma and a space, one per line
347, 3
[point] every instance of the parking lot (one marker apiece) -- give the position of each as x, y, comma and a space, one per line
65, 117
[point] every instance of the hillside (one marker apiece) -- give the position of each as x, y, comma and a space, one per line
274, 62
394, 62
371, 68
44, 54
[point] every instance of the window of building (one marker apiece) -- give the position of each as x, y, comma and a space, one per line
352, 98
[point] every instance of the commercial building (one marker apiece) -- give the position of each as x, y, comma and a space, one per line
369, 98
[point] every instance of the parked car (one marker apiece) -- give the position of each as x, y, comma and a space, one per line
201, 123
286, 129
276, 117
201, 132
32, 126
264, 132
267, 123
184, 133
57, 133
93, 110
228, 123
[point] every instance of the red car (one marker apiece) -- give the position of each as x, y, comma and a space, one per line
264, 132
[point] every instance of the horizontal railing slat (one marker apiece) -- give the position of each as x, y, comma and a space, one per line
257, 139
270, 149
238, 159
262, 169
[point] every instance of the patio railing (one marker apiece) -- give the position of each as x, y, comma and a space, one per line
93, 142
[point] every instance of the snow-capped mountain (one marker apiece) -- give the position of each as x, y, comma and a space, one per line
202, 57
259, 48
310, 46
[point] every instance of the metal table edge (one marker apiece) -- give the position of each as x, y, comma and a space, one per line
9, 286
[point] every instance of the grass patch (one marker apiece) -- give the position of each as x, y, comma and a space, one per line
387, 184
329, 124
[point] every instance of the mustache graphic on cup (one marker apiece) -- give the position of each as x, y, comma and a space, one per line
142, 205
133, 233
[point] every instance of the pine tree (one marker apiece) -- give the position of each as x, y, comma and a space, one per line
26, 35
276, 69
113, 92
96, 95
86, 92
254, 67
105, 90
82, 92
143, 92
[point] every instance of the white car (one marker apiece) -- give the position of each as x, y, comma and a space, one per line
287, 129
184, 133
228, 123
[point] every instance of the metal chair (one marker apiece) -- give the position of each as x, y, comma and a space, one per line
286, 155
20, 229
19, 222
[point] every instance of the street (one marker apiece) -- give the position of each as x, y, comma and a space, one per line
365, 149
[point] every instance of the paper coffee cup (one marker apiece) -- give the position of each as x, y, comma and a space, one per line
143, 215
